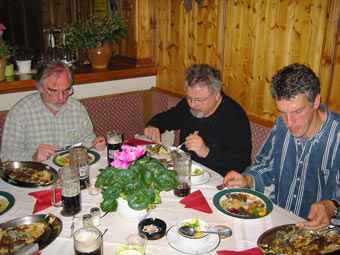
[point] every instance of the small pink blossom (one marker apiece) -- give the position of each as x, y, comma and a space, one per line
127, 155
2, 28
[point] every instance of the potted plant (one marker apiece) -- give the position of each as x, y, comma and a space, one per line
96, 35
5, 53
136, 178
23, 58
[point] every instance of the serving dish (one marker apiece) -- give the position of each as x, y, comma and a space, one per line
62, 158
11, 200
270, 238
221, 196
191, 246
53, 227
25, 167
152, 228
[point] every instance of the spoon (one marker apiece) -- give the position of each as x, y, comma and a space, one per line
179, 146
189, 231
287, 241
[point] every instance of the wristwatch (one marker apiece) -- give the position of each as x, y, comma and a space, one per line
336, 213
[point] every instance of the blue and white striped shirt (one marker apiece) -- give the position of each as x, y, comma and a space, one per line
301, 174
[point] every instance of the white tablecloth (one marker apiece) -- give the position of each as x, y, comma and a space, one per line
245, 232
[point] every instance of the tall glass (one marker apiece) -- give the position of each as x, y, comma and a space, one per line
88, 240
182, 165
114, 143
70, 191
134, 244
79, 159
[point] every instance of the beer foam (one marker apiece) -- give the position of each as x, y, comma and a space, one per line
114, 139
87, 241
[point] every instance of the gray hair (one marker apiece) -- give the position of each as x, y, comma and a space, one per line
293, 80
52, 68
203, 75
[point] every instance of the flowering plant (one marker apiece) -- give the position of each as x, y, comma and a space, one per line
5, 52
94, 32
136, 178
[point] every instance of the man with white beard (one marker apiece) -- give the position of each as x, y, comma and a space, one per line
43, 121
223, 141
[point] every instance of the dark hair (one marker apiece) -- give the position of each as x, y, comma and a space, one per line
203, 75
52, 68
293, 80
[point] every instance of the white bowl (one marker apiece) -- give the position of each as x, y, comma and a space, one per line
197, 173
203, 226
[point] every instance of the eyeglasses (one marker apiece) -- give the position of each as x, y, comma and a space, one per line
55, 93
197, 100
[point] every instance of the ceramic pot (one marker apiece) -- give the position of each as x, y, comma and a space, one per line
9, 70
128, 213
24, 66
2, 69
99, 57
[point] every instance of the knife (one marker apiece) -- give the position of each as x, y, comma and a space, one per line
68, 147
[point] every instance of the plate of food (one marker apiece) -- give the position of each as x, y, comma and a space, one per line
243, 203
28, 174
29, 234
6, 202
62, 159
160, 152
326, 241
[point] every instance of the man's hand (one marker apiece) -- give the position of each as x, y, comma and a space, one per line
195, 143
99, 143
44, 152
234, 178
153, 133
319, 216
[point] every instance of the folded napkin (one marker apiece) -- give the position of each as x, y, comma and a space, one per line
253, 251
44, 199
197, 201
136, 142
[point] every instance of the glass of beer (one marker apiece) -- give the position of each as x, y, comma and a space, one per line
134, 244
114, 143
182, 165
69, 185
88, 240
79, 159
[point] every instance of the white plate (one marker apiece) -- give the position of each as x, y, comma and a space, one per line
191, 246
206, 177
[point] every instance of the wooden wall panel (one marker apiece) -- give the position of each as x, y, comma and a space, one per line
187, 38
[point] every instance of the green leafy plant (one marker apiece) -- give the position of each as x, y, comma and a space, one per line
94, 32
139, 184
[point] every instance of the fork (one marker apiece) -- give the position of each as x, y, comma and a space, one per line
179, 146
68, 147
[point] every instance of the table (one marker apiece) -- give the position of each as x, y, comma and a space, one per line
245, 232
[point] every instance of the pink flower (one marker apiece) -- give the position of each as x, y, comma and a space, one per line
2, 28
127, 155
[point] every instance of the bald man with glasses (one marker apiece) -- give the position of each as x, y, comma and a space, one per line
223, 141
48, 119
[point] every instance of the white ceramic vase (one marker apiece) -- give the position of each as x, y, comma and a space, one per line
128, 213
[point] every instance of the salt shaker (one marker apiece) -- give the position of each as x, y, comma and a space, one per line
95, 213
87, 220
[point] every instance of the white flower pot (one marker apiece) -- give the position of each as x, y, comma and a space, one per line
128, 213
24, 66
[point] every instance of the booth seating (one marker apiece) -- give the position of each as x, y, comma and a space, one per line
129, 112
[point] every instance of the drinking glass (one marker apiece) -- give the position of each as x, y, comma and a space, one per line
182, 165
114, 143
91, 188
70, 191
79, 159
134, 244
88, 240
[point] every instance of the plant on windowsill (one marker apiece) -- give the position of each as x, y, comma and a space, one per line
136, 178
96, 35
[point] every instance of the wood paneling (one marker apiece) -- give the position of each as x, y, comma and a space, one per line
249, 41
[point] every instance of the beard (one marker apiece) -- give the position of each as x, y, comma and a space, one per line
199, 115
55, 105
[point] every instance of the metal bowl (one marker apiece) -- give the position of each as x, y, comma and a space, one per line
265, 241
17, 165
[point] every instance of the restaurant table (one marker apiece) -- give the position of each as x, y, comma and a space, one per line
245, 231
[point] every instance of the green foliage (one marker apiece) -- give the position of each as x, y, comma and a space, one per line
140, 184
94, 32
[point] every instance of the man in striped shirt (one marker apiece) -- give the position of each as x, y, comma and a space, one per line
301, 155
43, 121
